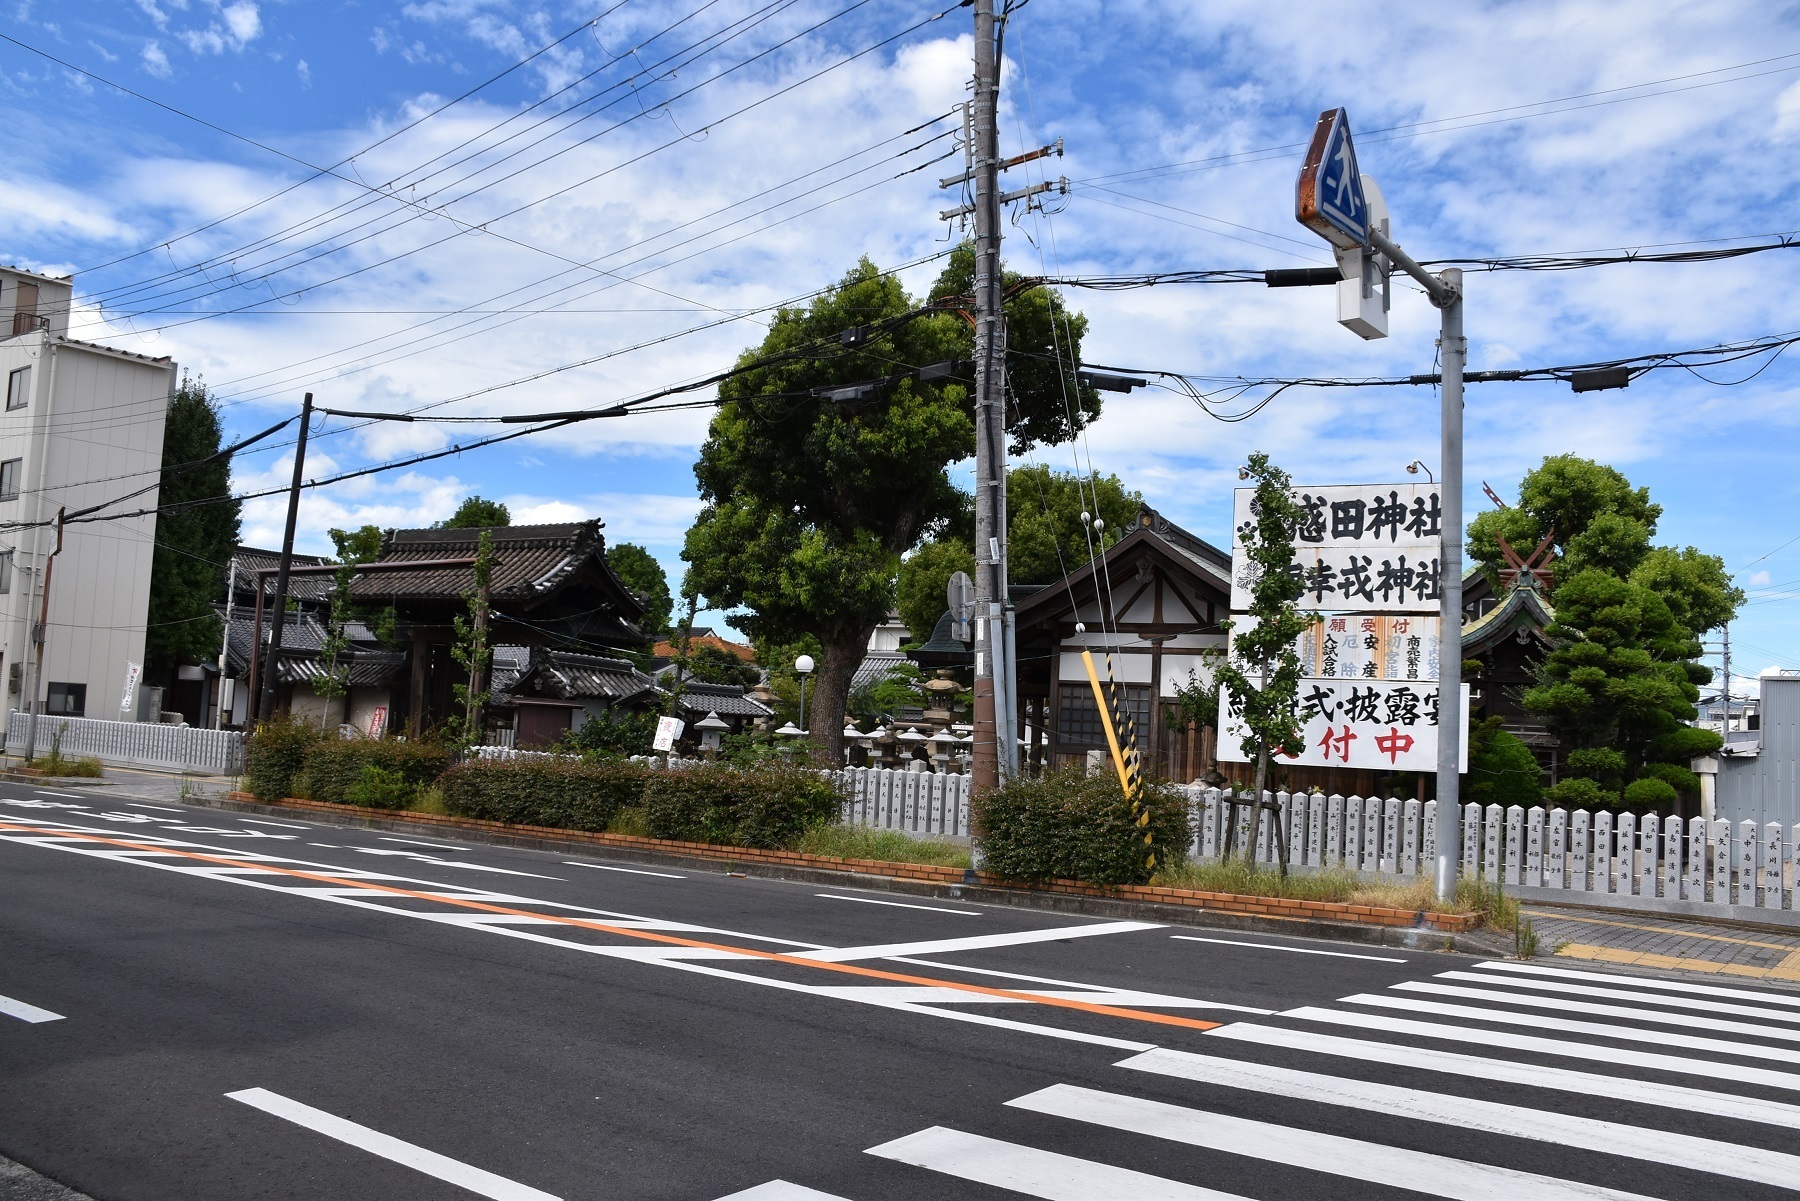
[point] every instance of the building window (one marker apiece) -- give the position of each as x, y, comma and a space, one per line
9, 479
66, 700
6, 558
1078, 725
18, 389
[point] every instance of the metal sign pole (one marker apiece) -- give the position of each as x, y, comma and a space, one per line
1455, 354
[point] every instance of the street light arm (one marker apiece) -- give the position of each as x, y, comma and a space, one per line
1442, 294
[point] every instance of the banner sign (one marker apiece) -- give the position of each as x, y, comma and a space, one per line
378, 721
133, 671
1361, 646
668, 729
1360, 547
1386, 724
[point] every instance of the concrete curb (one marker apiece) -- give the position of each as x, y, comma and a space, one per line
1418, 938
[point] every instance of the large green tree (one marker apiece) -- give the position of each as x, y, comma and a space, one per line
476, 513
810, 499
1045, 538
1620, 685
194, 545
639, 571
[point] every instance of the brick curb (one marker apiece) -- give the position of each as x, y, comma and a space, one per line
1311, 919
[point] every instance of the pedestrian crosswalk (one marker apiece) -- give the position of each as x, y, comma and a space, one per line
1428, 1087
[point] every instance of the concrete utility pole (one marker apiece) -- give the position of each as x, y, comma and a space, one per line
272, 662
1446, 292
996, 746
43, 636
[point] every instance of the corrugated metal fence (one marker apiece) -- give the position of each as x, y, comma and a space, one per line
134, 743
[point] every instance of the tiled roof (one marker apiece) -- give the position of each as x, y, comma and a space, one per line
530, 561
727, 700
665, 648
874, 668
568, 676
365, 669
251, 559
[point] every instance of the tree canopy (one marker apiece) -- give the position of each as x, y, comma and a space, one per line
809, 501
476, 513
1620, 685
639, 571
361, 545
193, 545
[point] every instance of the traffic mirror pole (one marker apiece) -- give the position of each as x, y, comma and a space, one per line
1446, 292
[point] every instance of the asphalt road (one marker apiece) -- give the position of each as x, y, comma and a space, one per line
197, 1005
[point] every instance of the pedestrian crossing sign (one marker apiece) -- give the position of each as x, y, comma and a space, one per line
1329, 198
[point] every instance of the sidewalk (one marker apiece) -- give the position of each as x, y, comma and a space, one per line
1666, 943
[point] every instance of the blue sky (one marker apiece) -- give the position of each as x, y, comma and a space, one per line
434, 265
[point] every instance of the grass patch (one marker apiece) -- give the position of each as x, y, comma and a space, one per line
629, 821
57, 764
429, 799
1234, 876
887, 846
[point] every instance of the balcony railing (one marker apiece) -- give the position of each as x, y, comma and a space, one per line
25, 323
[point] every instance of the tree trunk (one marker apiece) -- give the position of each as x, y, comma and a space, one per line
1262, 772
839, 656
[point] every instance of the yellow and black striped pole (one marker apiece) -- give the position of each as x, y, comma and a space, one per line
1121, 738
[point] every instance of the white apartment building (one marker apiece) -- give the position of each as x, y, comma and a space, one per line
82, 424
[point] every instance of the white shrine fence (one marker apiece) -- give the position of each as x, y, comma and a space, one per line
132, 743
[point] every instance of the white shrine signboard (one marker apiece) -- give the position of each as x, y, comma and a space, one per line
1387, 724
1360, 548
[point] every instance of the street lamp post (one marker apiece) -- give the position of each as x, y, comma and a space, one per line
803, 665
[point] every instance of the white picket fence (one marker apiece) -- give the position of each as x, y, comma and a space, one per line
1599, 854
913, 802
133, 743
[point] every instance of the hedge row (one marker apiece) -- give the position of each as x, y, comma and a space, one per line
764, 806
565, 793
286, 757
1069, 825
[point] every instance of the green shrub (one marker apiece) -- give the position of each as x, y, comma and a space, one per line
379, 788
565, 793
1502, 770
766, 806
335, 767
1649, 794
1579, 792
1674, 775
275, 753
612, 734
1072, 826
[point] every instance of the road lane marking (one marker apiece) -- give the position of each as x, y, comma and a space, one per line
76, 796
451, 1171
976, 942
1600, 1029
1629, 1012
1532, 1075
1044, 1174
283, 825
1489, 1117
832, 896
634, 871
1766, 996
1334, 1154
330, 846
1269, 946
1626, 994
1716, 1068
416, 843
468, 867
27, 1013
781, 1190
795, 959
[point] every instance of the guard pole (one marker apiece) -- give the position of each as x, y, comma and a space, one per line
1454, 349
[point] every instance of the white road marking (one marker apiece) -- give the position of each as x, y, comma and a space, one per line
76, 796
1600, 1029
634, 871
1490, 1117
832, 896
415, 842
1625, 994
1629, 1012
977, 942
1586, 1084
283, 825
781, 1190
330, 846
1715, 1068
1269, 946
1420, 1171
925, 994
982, 971
416, 857
142, 805
451, 1171
1035, 1173
27, 1013
1644, 982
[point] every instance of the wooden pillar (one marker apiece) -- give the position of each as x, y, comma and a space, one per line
421, 674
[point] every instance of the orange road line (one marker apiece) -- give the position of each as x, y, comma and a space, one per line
1139, 1015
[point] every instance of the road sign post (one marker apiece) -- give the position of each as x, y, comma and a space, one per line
1332, 201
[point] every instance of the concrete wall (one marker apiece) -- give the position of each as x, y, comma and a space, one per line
1763, 787
92, 431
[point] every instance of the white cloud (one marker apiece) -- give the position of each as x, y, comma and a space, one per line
238, 25
102, 51
155, 62
1787, 112
304, 72
1758, 579
243, 20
